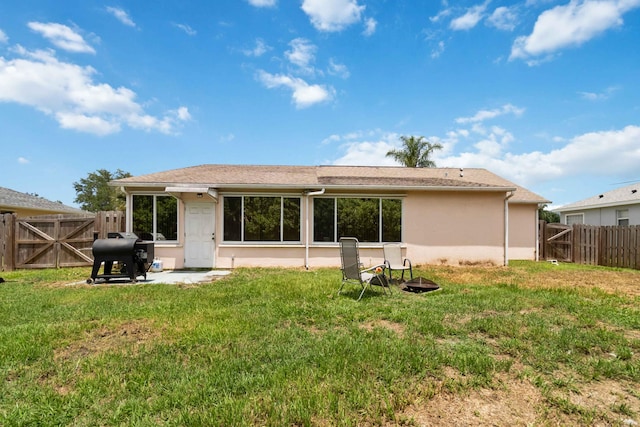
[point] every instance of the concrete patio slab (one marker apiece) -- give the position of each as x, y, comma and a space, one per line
172, 277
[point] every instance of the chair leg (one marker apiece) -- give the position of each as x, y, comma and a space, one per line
364, 288
386, 285
341, 286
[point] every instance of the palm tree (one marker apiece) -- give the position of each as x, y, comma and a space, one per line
415, 152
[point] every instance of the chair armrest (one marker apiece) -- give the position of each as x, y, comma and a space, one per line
406, 260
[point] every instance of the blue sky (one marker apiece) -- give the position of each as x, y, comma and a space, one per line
544, 93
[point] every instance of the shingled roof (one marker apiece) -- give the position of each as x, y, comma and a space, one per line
12, 201
314, 177
620, 196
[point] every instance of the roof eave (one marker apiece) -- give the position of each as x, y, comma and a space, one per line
40, 209
163, 185
598, 206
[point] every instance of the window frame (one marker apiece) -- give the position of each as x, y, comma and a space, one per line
242, 226
619, 217
566, 218
335, 226
154, 219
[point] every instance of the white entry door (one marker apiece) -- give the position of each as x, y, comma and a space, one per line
199, 242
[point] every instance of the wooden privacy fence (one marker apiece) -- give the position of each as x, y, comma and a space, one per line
620, 247
53, 241
610, 246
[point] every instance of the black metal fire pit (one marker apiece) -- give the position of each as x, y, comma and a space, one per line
123, 255
420, 285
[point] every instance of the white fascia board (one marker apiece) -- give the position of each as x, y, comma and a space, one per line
600, 206
177, 192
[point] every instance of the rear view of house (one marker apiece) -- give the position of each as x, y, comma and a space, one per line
225, 216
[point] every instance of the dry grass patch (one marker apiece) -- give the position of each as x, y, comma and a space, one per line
516, 401
384, 324
129, 335
512, 402
614, 401
625, 282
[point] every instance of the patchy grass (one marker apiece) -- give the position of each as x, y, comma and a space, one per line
528, 344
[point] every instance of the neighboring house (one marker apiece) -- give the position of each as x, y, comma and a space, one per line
616, 207
226, 216
24, 205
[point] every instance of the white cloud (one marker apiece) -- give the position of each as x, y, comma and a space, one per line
571, 25
304, 95
227, 138
85, 123
336, 69
23, 160
62, 37
366, 153
470, 19
302, 54
503, 18
438, 50
362, 148
600, 153
330, 139
593, 96
259, 49
3, 37
187, 29
182, 114
262, 3
68, 93
494, 143
370, 25
441, 15
332, 15
121, 16
483, 115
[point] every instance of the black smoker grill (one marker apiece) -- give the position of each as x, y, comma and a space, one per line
132, 255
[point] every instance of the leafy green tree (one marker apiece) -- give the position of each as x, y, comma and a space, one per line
94, 194
415, 152
548, 216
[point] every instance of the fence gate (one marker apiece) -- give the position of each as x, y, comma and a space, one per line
53, 241
558, 242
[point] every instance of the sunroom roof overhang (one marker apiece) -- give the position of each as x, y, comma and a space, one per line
200, 192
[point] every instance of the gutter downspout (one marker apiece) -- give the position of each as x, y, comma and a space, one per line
537, 257
506, 227
127, 209
307, 214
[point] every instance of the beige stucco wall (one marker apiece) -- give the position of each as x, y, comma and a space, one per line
523, 231
454, 227
172, 256
446, 227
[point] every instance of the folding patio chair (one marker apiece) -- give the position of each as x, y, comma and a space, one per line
394, 261
353, 272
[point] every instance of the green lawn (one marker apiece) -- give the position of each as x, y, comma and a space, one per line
529, 344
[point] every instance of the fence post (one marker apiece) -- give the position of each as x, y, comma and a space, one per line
7, 241
542, 225
108, 222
